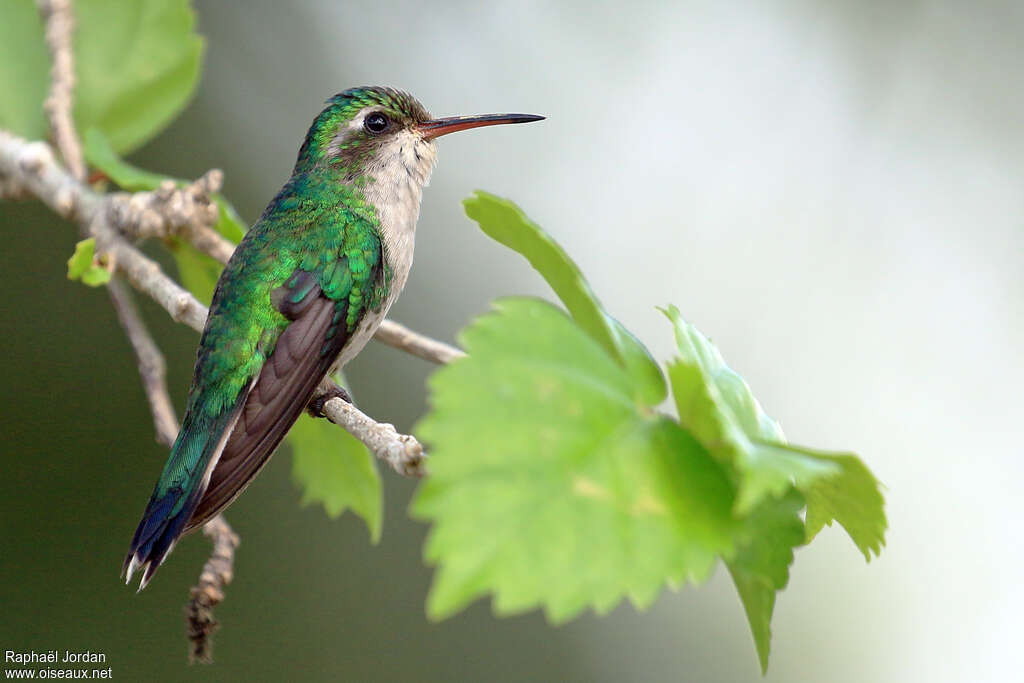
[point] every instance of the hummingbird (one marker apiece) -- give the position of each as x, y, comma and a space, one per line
302, 294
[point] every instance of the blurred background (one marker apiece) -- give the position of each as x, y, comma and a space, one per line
831, 191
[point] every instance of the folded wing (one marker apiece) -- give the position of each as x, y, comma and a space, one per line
301, 357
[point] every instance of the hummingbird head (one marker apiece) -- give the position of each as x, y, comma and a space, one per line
380, 143
376, 133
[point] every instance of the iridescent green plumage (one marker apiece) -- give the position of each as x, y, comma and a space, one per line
319, 232
304, 290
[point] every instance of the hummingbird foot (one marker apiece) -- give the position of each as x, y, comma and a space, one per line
327, 390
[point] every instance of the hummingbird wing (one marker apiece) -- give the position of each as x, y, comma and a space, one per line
324, 307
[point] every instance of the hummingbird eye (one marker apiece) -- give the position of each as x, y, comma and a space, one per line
376, 122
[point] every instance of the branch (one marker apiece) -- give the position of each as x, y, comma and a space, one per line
402, 452
59, 25
401, 337
169, 210
209, 592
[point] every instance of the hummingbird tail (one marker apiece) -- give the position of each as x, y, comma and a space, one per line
176, 495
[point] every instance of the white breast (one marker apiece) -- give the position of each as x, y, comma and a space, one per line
400, 171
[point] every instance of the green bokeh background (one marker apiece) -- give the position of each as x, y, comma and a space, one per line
831, 192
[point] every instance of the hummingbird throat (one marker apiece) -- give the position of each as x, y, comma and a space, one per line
391, 179
391, 172
395, 175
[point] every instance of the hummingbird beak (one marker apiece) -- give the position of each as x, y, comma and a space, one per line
437, 127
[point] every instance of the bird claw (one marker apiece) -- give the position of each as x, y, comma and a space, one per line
326, 391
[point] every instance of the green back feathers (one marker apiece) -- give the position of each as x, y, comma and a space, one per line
309, 228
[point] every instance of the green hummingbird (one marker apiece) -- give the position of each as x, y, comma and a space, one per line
302, 294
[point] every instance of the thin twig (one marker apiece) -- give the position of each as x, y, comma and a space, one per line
401, 337
402, 452
59, 26
31, 168
146, 275
152, 368
209, 592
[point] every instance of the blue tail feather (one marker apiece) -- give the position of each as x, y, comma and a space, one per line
175, 497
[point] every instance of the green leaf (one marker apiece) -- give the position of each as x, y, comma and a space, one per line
336, 470
96, 276
854, 499
137, 63
197, 271
760, 567
549, 485
83, 265
100, 153
717, 407
81, 260
229, 223
504, 222
24, 69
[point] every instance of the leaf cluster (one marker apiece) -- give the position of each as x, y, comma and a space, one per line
556, 482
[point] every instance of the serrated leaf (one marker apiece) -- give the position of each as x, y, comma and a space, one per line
760, 567
335, 469
719, 409
549, 486
717, 406
197, 271
82, 265
137, 63
504, 222
854, 499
